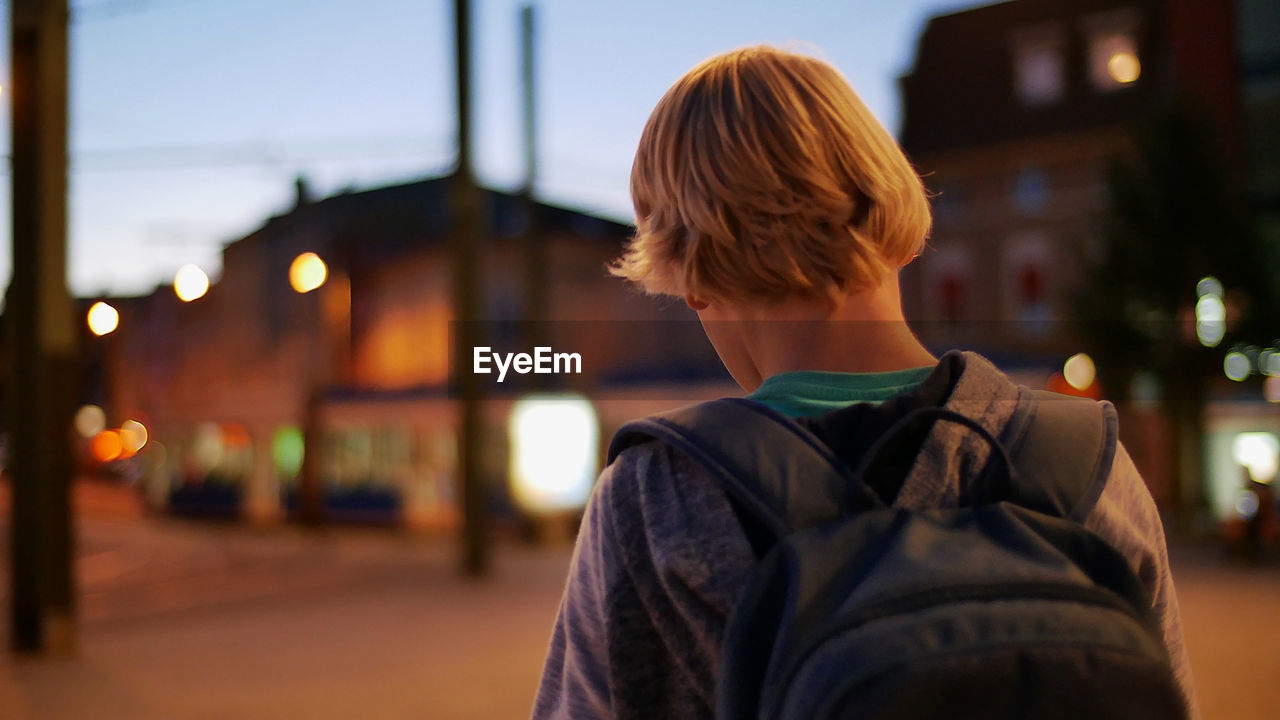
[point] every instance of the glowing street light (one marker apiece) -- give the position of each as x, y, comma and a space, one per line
307, 272
1211, 312
1079, 371
1236, 366
106, 446
90, 420
1209, 286
1124, 67
103, 318
133, 436
190, 283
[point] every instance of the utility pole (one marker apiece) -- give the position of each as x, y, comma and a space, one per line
41, 334
311, 511
465, 199
535, 249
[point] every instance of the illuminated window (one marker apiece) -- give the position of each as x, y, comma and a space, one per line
1113, 57
554, 447
950, 276
1258, 453
1113, 61
1026, 283
1039, 73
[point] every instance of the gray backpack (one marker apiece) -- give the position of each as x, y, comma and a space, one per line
1006, 607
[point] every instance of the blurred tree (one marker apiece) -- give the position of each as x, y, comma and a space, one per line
1176, 214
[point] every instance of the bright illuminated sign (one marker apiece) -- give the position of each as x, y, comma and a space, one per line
554, 451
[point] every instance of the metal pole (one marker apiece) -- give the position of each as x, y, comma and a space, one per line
466, 239
311, 498
535, 250
41, 334
527, 85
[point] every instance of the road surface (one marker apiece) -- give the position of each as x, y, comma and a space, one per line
192, 620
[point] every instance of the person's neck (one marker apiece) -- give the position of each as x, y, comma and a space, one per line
865, 332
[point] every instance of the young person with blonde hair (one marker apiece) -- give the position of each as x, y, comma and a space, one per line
770, 199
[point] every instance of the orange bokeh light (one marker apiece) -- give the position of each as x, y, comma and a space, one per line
106, 446
235, 435
1057, 383
307, 272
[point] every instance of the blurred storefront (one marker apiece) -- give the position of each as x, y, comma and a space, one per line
335, 316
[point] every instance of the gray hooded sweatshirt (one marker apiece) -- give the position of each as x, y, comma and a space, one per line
661, 558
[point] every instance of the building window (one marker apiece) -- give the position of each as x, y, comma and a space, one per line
952, 288
1039, 71
1113, 61
1039, 74
950, 283
1113, 57
1027, 259
1031, 190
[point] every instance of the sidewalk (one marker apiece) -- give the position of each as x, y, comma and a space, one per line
204, 621
194, 620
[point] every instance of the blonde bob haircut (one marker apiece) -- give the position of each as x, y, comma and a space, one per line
761, 176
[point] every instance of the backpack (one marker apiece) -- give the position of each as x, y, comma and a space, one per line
1005, 607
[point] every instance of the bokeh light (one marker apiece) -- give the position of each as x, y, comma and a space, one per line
1211, 316
90, 420
1271, 389
1247, 504
1210, 308
207, 447
1269, 362
102, 318
1079, 371
1259, 452
106, 446
1124, 67
287, 450
553, 452
1236, 366
133, 436
307, 272
190, 283
1208, 286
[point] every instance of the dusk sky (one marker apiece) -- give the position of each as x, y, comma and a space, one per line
191, 118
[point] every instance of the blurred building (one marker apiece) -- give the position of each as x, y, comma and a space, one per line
1258, 25
228, 384
1012, 112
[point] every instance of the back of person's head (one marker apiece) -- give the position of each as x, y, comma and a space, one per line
761, 176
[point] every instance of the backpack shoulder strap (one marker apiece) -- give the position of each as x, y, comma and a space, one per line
778, 473
1063, 449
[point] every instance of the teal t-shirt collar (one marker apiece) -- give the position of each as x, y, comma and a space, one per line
811, 393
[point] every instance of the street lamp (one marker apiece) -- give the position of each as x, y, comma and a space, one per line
102, 318
307, 272
1124, 67
190, 283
